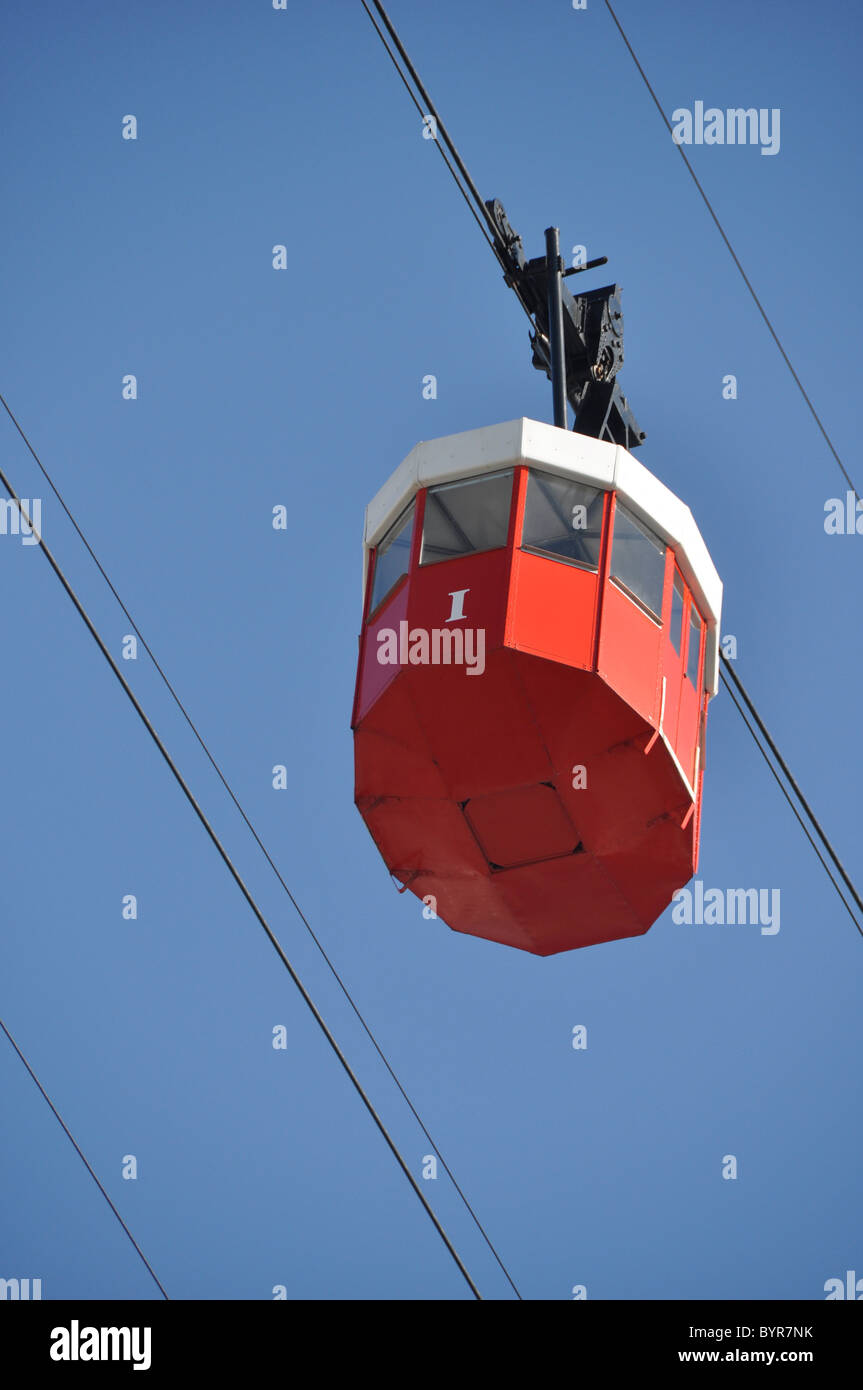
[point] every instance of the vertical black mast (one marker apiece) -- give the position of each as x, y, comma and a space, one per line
555, 325
578, 341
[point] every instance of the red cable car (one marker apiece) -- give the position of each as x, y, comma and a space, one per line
539, 644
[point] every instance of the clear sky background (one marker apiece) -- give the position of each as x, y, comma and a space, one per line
259, 1167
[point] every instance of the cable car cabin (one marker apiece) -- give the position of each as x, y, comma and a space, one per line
539, 644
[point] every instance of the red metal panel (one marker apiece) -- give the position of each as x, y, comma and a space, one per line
484, 581
553, 609
699, 785
391, 753
479, 728
687, 728
521, 826
373, 677
567, 903
612, 788
631, 850
628, 791
687, 722
422, 833
577, 716
651, 873
629, 647
671, 662
473, 906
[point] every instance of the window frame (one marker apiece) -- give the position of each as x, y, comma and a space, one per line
389, 535
471, 480
532, 549
677, 578
621, 584
697, 683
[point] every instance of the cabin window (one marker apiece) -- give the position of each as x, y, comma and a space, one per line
675, 630
563, 518
692, 660
466, 517
392, 557
638, 561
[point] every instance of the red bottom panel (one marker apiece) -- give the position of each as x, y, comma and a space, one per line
550, 829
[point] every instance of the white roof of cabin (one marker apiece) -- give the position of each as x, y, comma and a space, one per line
573, 456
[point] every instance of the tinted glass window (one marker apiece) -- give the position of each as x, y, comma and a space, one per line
638, 560
462, 518
676, 628
694, 645
563, 518
392, 556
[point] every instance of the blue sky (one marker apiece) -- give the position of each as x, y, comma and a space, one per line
258, 1167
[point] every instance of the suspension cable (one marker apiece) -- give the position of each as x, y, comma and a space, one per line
228, 862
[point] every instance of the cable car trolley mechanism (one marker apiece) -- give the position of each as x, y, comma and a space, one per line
538, 649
